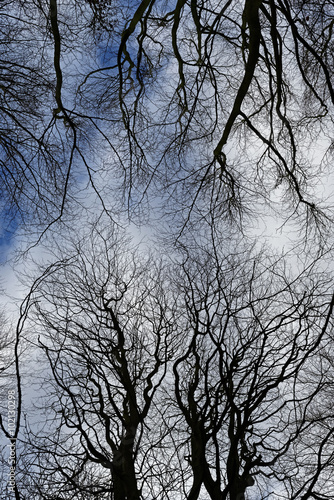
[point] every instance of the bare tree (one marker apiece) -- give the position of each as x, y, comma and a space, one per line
47, 139
313, 452
31, 157
11, 386
106, 331
254, 328
204, 378
209, 104
223, 101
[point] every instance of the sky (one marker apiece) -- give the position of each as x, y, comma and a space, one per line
268, 227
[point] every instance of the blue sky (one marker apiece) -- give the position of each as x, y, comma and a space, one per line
8, 227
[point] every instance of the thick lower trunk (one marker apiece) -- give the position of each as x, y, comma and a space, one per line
124, 475
237, 483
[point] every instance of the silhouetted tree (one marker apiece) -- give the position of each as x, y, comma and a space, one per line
106, 330
205, 103
254, 328
205, 373
169, 381
224, 100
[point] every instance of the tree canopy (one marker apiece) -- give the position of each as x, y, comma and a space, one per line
195, 103
163, 347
